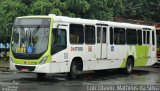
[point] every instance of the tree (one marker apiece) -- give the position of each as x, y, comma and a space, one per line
59, 8
26, 2
78, 7
117, 7
153, 6
41, 7
142, 9
99, 9
9, 11
132, 8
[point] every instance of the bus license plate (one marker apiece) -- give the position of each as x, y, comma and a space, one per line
24, 70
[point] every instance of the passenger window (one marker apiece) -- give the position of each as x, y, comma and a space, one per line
144, 37
119, 36
76, 34
131, 36
104, 34
139, 37
89, 34
98, 34
148, 37
111, 35
153, 38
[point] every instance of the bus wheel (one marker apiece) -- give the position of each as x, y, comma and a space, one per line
41, 75
73, 74
129, 66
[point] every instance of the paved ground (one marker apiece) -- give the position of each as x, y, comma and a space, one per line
4, 65
92, 81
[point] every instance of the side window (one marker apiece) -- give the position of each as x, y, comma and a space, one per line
59, 37
104, 34
144, 37
76, 34
98, 34
119, 36
153, 38
131, 36
158, 38
148, 37
89, 34
111, 35
139, 37
59, 40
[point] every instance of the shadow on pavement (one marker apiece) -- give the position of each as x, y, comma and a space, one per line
56, 79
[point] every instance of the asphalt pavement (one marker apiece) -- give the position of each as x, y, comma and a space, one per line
108, 80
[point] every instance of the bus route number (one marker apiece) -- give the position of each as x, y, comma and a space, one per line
76, 48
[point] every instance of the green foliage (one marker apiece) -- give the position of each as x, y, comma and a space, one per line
78, 7
100, 9
142, 9
41, 7
9, 10
117, 7
56, 11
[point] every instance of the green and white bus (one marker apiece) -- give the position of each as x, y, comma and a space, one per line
59, 44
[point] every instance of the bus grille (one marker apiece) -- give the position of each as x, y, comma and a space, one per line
30, 68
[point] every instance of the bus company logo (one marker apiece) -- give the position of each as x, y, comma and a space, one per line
76, 48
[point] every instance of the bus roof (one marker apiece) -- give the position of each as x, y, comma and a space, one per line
94, 22
90, 22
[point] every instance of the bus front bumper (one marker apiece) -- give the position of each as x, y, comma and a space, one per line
44, 68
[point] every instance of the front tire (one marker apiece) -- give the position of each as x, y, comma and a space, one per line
74, 71
129, 66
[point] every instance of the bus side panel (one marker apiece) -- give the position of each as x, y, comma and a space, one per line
89, 57
152, 57
117, 54
60, 62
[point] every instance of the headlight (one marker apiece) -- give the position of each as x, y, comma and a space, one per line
44, 60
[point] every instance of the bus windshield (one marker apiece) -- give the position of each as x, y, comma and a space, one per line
30, 36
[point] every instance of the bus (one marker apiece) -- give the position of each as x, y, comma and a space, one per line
60, 44
158, 45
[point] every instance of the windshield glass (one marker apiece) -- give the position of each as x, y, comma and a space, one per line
30, 38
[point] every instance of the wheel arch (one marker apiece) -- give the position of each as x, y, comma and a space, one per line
132, 58
79, 60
